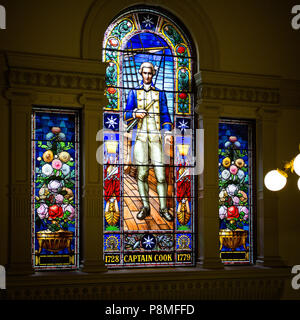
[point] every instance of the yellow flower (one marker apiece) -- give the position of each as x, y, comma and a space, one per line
48, 156
226, 162
64, 156
239, 163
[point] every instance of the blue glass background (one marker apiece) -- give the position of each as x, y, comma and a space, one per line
164, 77
45, 121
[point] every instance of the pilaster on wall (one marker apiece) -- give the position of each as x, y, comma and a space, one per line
20, 182
92, 187
209, 256
267, 201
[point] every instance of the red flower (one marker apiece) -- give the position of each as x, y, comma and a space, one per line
55, 212
232, 212
182, 95
181, 49
111, 90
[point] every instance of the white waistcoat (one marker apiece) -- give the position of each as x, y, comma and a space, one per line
149, 126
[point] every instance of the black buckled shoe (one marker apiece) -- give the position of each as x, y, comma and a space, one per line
143, 213
165, 214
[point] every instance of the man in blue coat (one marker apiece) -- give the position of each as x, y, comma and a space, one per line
154, 122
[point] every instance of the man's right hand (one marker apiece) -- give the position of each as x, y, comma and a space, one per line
140, 114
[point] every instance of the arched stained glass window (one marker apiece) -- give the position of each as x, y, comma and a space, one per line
149, 215
236, 185
55, 189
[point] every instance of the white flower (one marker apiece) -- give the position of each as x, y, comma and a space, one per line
237, 144
236, 200
243, 209
65, 169
232, 189
241, 174
54, 186
222, 195
222, 212
47, 169
42, 211
68, 207
225, 174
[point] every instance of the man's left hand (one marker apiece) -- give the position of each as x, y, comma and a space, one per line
168, 139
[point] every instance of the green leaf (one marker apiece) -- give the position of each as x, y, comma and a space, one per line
65, 226
111, 228
66, 214
53, 227
40, 185
183, 228
49, 144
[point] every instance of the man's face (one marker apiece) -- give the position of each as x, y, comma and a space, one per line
147, 75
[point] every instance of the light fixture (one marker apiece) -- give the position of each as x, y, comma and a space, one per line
275, 180
297, 165
299, 183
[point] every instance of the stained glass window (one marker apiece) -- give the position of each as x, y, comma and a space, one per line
55, 189
148, 142
236, 199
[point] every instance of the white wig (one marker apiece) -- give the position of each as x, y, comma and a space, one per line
147, 65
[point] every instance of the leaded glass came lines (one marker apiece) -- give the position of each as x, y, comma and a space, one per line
148, 203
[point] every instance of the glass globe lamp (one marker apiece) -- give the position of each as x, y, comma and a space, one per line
275, 180
297, 165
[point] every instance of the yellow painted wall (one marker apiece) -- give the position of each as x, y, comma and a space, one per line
252, 37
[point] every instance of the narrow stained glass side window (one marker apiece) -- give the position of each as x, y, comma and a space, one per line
236, 198
55, 189
149, 209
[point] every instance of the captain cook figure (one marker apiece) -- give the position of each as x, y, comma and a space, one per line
148, 142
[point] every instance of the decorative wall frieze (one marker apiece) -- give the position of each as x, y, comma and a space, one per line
55, 75
229, 93
55, 80
237, 88
229, 288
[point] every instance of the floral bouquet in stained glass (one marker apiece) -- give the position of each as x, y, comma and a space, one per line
233, 195
54, 203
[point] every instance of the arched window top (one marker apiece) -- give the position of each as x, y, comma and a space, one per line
141, 20
143, 34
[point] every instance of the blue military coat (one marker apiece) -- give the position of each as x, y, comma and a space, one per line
165, 120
